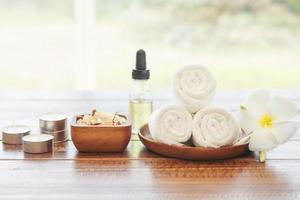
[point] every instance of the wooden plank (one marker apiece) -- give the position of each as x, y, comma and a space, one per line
123, 95
20, 104
134, 151
149, 179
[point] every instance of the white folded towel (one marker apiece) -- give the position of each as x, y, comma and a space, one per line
171, 124
214, 127
194, 87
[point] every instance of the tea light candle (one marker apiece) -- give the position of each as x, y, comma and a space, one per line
38, 143
53, 122
13, 134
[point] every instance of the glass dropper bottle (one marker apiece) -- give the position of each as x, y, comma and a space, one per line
140, 103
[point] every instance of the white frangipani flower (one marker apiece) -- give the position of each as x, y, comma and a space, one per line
267, 120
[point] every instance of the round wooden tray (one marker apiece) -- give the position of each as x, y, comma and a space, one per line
190, 152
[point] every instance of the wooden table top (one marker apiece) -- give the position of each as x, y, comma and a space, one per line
135, 173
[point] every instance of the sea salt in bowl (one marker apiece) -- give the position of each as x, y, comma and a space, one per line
101, 138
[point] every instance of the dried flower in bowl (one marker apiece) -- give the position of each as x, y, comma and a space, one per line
267, 121
101, 118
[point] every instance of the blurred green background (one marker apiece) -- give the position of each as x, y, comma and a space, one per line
245, 43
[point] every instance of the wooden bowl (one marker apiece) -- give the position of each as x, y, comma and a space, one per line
190, 152
97, 138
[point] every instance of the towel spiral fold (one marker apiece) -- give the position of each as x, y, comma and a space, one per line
171, 124
214, 127
194, 87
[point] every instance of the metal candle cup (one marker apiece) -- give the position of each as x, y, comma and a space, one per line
59, 136
13, 134
53, 122
38, 143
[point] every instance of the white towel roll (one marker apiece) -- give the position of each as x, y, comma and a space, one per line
214, 127
194, 87
171, 124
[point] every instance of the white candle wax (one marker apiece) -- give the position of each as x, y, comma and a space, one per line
38, 138
53, 117
16, 129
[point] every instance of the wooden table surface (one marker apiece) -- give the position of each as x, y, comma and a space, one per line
135, 173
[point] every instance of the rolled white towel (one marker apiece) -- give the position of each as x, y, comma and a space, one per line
214, 127
194, 87
171, 124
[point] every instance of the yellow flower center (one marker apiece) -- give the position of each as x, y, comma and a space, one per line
266, 121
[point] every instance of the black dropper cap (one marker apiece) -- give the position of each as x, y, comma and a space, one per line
140, 72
